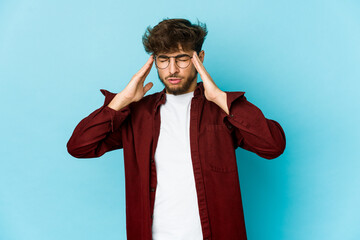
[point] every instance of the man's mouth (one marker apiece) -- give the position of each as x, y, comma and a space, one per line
174, 80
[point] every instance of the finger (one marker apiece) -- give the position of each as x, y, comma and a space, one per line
141, 75
199, 66
146, 67
205, 76
146, 74
197, 63
148, 87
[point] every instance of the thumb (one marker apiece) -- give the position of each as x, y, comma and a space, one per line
148, 87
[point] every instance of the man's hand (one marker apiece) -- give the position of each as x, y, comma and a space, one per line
135, 90
212, 92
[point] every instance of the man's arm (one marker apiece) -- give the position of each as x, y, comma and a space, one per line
253, 131
100, 132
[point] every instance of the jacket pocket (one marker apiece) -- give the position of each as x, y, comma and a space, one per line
220, 152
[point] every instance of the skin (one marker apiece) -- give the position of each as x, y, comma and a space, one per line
187, 75
135, 90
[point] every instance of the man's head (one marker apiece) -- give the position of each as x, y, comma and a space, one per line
171, 41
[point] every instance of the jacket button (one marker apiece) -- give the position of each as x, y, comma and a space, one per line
153, 189
152, 160
231, 115
229, 127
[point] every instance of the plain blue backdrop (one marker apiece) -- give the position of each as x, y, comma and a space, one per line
298, 61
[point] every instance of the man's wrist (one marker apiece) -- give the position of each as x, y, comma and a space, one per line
118, 102
221, 101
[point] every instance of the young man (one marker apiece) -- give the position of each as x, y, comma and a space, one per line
179, 144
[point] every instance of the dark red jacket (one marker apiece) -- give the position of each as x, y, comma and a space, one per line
214, 136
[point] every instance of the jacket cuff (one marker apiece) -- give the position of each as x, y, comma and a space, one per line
117, 117
231, 99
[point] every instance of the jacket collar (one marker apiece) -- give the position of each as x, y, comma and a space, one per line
161, 98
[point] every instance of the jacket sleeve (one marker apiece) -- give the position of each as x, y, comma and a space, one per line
252, 131
99, 132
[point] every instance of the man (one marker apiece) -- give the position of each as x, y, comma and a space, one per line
179, 144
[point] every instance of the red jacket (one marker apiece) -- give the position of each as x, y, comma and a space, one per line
214, 136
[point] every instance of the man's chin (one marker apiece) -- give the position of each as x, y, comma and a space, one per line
179, 88
175, 90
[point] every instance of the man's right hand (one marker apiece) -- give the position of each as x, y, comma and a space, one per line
135, 90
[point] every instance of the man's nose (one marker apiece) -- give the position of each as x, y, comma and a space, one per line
173, 68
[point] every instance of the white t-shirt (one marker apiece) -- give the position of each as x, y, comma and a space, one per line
176, 212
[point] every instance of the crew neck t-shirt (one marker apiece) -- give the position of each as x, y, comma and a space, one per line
176, 212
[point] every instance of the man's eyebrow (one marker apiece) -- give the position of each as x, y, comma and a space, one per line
180, 55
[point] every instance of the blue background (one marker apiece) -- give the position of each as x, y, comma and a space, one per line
298, 61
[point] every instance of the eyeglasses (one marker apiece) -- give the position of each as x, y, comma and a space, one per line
182, 61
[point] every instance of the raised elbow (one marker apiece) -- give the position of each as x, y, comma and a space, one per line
72, 149
76, 151
277, 149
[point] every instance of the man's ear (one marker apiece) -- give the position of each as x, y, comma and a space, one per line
202, 55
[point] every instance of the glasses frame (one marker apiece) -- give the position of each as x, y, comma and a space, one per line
168, 61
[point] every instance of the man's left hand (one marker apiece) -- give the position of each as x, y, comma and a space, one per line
212, 92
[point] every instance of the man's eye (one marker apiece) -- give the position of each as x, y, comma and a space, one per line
163, 59
183, 59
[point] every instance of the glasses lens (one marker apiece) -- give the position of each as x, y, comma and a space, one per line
162, 62
183, 61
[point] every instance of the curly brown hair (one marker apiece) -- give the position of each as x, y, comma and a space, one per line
170, 33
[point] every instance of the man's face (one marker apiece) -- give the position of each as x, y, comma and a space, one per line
175, 79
